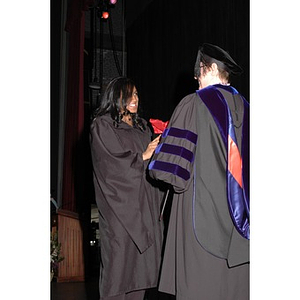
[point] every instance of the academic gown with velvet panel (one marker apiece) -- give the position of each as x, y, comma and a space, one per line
128, 203
205, 257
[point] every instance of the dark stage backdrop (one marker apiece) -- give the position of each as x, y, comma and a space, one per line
162, 43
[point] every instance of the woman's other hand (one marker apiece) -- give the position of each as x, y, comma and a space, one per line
151, 148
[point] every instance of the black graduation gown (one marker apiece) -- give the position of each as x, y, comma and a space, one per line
202, 241
130, 231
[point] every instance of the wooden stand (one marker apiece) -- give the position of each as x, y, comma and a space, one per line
70, 235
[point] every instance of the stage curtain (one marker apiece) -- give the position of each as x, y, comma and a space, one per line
74, 119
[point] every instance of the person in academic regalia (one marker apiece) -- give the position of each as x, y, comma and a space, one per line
128, 202
204, 155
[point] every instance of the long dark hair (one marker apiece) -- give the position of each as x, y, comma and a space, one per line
114, 100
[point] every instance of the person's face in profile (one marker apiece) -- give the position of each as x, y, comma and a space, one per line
203, 79
133, 101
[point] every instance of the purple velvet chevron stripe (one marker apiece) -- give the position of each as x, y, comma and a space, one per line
181, 133
170, 168
176, 150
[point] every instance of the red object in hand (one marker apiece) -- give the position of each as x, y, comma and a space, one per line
158, 125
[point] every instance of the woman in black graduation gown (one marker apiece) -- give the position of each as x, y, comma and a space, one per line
130, 231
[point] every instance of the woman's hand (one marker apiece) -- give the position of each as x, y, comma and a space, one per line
151, 148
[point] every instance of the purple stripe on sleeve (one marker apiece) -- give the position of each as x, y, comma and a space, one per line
176, 150
170, 168
181, 133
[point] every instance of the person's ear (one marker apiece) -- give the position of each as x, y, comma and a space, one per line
214, 69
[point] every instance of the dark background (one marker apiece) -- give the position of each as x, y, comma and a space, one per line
155, 42
162, 44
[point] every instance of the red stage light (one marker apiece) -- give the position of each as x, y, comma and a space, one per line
105, 15
113, 1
